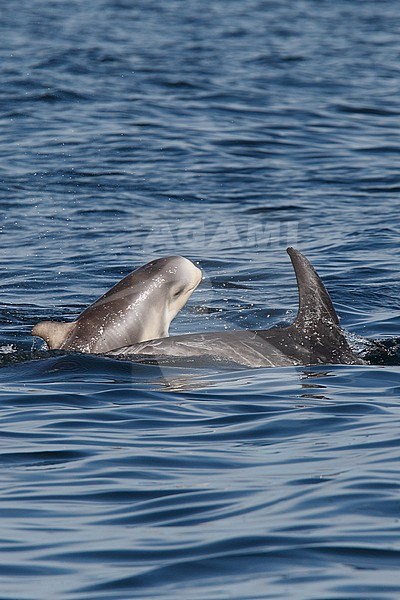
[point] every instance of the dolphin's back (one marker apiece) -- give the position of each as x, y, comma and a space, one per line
315, 336
247, 348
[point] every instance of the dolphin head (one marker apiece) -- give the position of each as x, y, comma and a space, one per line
179, 278
166, 285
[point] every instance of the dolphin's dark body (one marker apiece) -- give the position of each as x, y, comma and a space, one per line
315, 337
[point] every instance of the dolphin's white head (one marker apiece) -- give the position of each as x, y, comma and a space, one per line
180, 277
166, 284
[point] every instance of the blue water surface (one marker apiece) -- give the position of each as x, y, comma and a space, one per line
224, 131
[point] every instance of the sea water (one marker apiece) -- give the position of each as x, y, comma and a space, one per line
224, 131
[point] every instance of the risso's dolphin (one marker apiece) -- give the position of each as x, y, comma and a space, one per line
315, 336
140, 307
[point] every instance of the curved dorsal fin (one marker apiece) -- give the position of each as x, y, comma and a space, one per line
316, 329
54, 333
315, 304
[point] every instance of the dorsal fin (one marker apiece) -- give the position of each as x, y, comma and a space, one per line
54, 333
315, 304
316, 329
